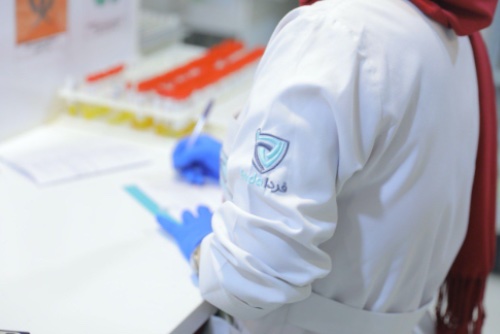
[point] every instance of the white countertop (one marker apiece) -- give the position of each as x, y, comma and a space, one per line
84, 257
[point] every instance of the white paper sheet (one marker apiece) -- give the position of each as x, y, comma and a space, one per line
49, 157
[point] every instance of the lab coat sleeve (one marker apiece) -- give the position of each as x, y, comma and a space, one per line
307, 101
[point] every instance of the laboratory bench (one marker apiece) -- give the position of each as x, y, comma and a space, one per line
83, 257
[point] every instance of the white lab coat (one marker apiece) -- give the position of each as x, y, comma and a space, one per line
348, 174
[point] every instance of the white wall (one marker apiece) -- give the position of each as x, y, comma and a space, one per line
96, 36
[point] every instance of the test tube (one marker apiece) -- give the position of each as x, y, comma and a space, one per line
107, 84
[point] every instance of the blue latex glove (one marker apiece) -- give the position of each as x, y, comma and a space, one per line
200, 161
191, 231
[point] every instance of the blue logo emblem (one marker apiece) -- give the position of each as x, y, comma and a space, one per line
269, 151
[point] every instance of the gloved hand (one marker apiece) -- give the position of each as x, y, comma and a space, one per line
191, 231
200, 161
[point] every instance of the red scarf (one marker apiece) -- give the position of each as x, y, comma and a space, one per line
460, 305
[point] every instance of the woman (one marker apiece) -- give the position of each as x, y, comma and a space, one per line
348, 176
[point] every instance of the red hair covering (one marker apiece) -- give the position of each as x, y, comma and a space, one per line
307, 2
464, 16
460, 305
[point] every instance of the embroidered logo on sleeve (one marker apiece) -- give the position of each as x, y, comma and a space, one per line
269, 151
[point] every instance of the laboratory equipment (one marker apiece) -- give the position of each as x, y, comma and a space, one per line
251, 21
168, 102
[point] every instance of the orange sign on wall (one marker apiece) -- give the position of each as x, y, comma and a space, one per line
37, 19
